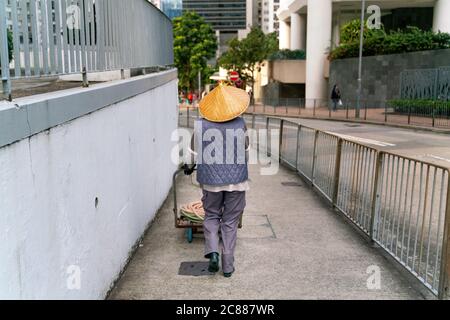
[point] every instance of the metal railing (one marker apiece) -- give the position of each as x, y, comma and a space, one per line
52, 37
434, 115
400, 203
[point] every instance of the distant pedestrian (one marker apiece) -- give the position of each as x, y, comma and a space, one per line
190, 97
336, 97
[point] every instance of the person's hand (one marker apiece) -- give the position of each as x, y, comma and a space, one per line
188, 170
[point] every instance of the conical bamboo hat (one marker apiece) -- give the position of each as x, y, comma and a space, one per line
224, 103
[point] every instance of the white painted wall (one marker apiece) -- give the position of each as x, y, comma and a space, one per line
48, 186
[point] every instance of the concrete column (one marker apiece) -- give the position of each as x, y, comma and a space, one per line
337, 29
318, 44
285, 35
298, 32
441, 20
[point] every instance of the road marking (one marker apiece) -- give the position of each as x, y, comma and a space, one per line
437, 157
363, 140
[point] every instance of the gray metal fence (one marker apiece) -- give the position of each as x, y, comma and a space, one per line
66, 36
431, 84
402, 204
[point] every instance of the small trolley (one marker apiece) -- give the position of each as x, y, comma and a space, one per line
180, 221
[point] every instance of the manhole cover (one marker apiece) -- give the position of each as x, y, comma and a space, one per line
196, 269
352, 125
291, 184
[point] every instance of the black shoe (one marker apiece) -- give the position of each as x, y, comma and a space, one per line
228, 275
213, 262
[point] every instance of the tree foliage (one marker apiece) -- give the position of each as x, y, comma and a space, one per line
286, 54
246, 55
10, 45
194, 43
379, 42
351, 30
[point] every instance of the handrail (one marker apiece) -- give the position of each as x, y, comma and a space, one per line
81, 36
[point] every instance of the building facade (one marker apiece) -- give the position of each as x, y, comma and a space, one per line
171, 8
314, 26
226, 17
269, 19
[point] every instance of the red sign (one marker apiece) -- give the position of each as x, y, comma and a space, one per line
234, 76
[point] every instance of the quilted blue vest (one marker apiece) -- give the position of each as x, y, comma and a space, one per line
216, 165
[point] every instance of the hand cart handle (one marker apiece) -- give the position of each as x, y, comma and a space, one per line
174, 187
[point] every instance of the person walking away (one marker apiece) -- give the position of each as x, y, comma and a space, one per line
335, 96
221, 150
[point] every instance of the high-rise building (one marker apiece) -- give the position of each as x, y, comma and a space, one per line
172, 8
314, 26
268, 17
227, 17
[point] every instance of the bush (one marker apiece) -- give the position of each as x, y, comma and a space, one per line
421, 107
379, 43
350, 32
10, 46
287, 54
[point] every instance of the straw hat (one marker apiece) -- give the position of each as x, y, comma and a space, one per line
224, 103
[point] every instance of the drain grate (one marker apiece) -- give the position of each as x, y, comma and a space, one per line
195, 269
291, 184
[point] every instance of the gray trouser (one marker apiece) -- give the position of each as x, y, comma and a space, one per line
222, 211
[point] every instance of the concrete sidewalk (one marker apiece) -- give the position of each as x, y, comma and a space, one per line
292, 246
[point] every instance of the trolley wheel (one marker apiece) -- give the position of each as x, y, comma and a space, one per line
189, 235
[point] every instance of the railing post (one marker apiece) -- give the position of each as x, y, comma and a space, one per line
187, 109
299, 130
268, 138
280, 158
346, 106
337, 172
85, 78
433, 115
444, 277
314, 109
4, 53
375, 194
313, 169
409, 114
365, 110
385, 112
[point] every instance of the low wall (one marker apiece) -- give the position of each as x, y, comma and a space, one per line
381, 74
82, 174
289, 71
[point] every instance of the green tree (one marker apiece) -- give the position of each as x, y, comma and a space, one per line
245, 56
351, 30
194, 43
10, 45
